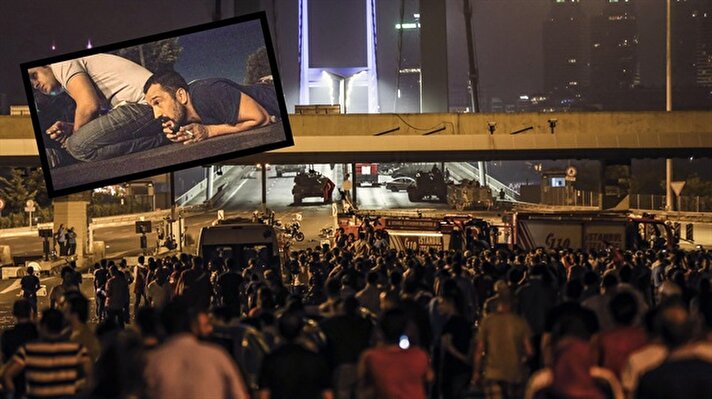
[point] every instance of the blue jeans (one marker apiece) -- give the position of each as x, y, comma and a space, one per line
123, 130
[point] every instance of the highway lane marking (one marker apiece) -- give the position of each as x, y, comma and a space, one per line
239, 186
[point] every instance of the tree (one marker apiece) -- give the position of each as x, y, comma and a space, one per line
35, 182
696, 186
257, 66
154, 56
15, 191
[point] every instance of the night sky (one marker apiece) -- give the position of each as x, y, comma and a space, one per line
508, 35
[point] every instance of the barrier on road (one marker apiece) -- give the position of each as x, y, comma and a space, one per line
5, 255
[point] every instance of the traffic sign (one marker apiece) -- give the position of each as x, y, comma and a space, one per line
29, 209
2, 204
677, 187
30, 203
571, 171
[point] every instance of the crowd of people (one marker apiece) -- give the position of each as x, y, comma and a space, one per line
360, 320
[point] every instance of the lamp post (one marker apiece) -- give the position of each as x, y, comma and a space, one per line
668, 103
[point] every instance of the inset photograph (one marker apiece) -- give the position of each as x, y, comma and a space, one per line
166, 102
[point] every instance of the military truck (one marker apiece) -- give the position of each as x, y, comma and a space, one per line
291, 168
307, 184
469, 195
430, 184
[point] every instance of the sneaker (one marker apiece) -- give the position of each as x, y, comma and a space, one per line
58, 158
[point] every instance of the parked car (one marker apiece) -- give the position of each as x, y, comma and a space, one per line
400, 183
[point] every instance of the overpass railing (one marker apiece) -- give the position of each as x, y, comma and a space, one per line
573, 198
685, 203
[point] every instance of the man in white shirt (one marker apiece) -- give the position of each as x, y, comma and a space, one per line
111, 116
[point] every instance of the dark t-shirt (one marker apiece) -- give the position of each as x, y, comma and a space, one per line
17, 336
346, 337
293, 372
570, 318
536, 299
101, 276
196, 288
30, 285
681, 379
217, 101
229, 287
461, 332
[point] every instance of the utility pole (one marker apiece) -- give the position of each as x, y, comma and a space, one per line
473, 75
473, 78
668, 104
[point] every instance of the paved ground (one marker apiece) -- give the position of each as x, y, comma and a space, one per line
162, 157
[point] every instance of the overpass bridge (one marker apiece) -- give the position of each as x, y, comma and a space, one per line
454, 137
608, 136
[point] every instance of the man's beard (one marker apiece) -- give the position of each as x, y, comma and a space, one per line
181, 115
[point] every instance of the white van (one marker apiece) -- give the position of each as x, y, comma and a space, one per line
239, 241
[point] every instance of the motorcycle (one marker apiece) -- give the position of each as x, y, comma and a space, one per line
294, 231
326, 232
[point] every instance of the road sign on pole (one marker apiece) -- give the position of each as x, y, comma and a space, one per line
677, 187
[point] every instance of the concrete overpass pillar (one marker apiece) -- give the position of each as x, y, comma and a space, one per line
72, 212
263, 178
433, 46
615, 184
353, 185
209, 182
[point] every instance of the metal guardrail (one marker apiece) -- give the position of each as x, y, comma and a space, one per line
572, 198
685, 203
199, 188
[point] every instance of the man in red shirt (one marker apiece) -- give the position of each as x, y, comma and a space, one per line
613, 347
396, 370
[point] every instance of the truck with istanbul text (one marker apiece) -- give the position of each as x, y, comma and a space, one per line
588, 231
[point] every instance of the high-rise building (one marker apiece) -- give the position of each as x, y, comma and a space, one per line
409, 78
703, 47
684, 29
564, 55
691, 43
614, 47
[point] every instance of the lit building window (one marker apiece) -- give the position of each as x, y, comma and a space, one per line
572, 60
411, 25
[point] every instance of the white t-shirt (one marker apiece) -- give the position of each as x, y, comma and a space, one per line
640, 362
117, 79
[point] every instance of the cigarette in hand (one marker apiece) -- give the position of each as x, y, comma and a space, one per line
190, 134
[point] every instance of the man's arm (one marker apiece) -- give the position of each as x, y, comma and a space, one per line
81, 89
477, 361
250, 115
13, 370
